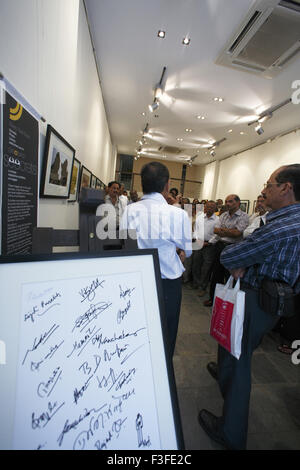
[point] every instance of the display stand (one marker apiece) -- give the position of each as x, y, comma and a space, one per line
46, 238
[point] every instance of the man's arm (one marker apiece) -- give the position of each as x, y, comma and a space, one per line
253, 250
228, 232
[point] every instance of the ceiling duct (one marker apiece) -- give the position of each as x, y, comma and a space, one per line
170, 150
267, 40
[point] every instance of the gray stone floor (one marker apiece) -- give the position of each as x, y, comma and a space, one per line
274, 421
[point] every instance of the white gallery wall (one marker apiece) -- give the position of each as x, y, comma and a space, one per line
244, 174
46, 54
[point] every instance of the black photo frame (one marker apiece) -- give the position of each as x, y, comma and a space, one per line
75, 181
93, 181
244, 206
85, 178
57, 166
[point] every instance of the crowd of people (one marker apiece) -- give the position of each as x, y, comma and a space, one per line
202, 243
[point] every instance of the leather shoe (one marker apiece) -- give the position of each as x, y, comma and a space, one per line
208, 303
209, 422
212, 368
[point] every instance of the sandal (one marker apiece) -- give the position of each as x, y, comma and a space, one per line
285, 349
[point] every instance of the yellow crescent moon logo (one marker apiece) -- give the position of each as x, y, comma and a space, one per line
16, 113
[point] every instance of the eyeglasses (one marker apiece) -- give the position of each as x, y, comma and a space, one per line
267, 185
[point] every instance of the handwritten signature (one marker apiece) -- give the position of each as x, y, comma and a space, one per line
89, 291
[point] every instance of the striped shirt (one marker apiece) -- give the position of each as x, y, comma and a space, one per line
271, 251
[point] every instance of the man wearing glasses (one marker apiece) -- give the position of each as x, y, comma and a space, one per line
272, 251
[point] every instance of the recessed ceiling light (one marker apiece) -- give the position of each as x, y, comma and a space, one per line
143, 113
242, 133
200, 117
230, 130
219, 99
186, 41
179, 139
161, 34
188, 130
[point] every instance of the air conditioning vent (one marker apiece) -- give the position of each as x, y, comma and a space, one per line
245, 30
267, 41
170, 150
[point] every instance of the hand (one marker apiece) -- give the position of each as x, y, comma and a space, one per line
237, 273
181, 254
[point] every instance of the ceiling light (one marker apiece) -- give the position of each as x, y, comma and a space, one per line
153, 106
188, 130
268, 113
179, 139
186, 41
265, 118
143, 113
158, 92
230, 130
212, 153
242, 133
200, 117
259, 129
161, 34
219, 99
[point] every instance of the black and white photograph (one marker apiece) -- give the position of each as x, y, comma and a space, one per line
57, 166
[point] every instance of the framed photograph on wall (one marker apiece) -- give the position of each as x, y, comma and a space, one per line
75, 181
93, 181
85, 178
57, 168
245, 205
254, 206
98, 184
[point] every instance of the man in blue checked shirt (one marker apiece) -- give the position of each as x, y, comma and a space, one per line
271, 251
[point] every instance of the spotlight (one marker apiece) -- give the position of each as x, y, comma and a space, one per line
154, 105
212, 153
186, 41
161, 34
158, 92
259, 129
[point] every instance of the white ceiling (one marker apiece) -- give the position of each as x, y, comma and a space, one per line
131, 57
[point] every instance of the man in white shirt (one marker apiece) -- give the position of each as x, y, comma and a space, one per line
204, 258
230, 230
123, 199
259, 217
167, 228
113, 206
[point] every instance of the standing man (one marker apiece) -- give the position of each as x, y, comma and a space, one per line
204, 258
167, 228
123, 199
258, 219
273, 252
230, 231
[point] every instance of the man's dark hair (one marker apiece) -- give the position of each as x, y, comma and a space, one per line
236, 198
291, 174
113, 182
174, 190
154, 176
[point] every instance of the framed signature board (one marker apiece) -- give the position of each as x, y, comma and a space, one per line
85, 354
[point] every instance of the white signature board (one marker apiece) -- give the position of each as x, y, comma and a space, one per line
85, 366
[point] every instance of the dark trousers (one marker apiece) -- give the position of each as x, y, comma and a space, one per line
172, 292
202, 266
235, 375
219, 274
